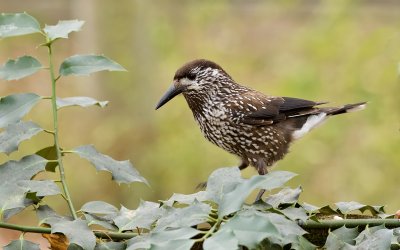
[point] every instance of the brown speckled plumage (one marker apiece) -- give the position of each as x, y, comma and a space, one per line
256, 127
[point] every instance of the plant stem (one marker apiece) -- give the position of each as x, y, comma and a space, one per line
56, 137
45, 230
310, 224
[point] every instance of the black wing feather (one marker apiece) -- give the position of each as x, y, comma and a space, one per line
278, 109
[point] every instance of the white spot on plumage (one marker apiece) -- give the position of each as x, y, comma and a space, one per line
312, 122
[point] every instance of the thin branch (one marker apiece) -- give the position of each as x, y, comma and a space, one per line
45, 230
56, 142
310, 224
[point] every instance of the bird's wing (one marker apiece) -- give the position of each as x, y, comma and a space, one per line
255, 108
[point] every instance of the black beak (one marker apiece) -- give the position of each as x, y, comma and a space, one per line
171, 93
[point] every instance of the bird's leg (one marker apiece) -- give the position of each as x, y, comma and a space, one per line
262, 170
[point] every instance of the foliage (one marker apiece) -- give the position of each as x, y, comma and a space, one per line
216, 218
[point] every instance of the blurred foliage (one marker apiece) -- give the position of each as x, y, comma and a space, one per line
340, 51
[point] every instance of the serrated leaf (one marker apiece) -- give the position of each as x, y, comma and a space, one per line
222, 181
295, 213
327, 210
184, 233
341, 238
12, 195
139, 242
143, 217
41, 188
77, 232
166, 239
82, 101
82, 65
367, 232
221, 240
310, 208
14, 107
17, 24
186, 198
15, 133
47, 215
22, 244
49, 153
21, 67
99, 207
185, 244
303, 244
122, 171
191, 215
103, 221
110, 246
380, 239
250, 230
62, 29
288, 230
285, 196
233, 201
346, 207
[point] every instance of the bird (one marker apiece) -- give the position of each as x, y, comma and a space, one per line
256, 127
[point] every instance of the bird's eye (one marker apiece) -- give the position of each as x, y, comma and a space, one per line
191, 76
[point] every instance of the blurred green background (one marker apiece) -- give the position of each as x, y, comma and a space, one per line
338, 51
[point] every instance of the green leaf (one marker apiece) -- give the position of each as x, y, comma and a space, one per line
77, 232
164, 236
233, 201
288, 230
82, 65
47, 215
346, 207
41, 188
103, 221
82, 101
185, 244
62, 29
49, 153
12, 195
186, 198
110, 246
15, 133
143, 217
99, 207
222, 181
21, 67
286, 196
303, 244
250, 230
295, 213
221, 240
310, 208
327, 210
17, 24
14, 107
22, 244
380, 239
191, 215
341, 238
166, 239
122, 171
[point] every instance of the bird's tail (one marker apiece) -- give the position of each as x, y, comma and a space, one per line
345, 108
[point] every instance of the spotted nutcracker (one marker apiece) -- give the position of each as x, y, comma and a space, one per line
256, 127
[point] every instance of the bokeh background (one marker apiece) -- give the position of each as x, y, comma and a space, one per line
333, 50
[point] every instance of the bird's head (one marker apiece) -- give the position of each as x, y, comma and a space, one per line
194, 77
